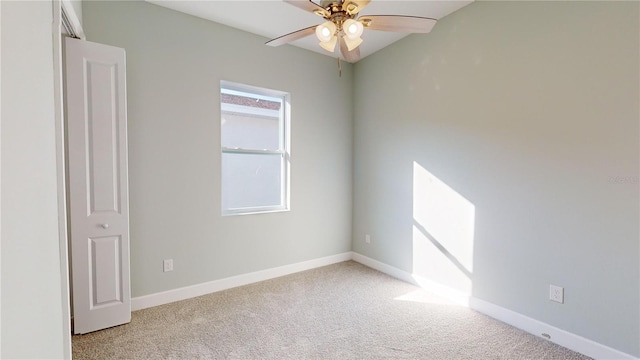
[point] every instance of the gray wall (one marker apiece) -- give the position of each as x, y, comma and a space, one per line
529, 111
32, 310
174, 66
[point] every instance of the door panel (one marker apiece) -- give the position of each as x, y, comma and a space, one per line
103, 137
106, 269
98, 190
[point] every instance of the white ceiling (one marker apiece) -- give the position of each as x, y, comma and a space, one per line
273, 18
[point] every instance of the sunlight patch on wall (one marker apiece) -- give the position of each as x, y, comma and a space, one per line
443, 229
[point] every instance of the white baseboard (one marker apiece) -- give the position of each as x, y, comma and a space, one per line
382, 267
165, 297
561, 337
433, 287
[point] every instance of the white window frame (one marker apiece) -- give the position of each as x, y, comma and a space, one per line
284, 146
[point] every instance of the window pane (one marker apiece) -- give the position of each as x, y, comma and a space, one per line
250, 132
250, 122
250, 180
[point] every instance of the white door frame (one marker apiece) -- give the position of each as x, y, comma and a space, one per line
0, 170
62, 8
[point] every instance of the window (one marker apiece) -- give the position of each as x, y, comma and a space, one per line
255, 149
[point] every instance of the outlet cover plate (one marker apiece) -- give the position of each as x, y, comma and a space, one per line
556, 293
167, 265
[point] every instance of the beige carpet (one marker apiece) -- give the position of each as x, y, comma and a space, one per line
342, 311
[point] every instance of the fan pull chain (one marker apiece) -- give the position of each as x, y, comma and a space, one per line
339, 67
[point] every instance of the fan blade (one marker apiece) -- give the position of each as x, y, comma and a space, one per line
398, 23
350, 56
310, 6
354, 6
284, 39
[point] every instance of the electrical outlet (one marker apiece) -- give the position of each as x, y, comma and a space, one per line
556, 293
167, 265
367, 239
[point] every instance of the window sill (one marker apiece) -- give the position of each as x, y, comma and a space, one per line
252, 212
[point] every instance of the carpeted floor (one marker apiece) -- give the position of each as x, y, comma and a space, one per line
342, 311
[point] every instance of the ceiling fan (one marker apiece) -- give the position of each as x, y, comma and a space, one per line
343, 25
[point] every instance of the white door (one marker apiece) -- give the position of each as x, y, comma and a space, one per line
98, 188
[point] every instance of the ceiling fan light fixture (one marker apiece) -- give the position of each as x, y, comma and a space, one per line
352, 29
342, 24
352, 43
326, 31
330, 45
